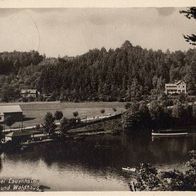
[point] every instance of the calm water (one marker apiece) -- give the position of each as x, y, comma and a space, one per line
94, 163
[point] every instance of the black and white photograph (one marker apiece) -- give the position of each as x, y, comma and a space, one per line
98, 99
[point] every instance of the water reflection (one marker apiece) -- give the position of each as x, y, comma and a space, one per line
94, 163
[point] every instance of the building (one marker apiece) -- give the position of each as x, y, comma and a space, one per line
26, 93
175, 88
14, 111
17, 137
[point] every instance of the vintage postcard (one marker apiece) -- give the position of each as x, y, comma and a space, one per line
97, 98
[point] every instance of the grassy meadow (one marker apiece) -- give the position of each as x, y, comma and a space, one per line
35, 111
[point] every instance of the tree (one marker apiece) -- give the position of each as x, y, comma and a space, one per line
159, 115
37, 126
1, 131
182, 98
148, 178
64, 125
58, 115
114, 109
127, 105
134, 107
144, 115
49, 124
155, 109
177, 111
9, 93
194, 112
137, 117
190, 13
102, 111
9, 121
75, 114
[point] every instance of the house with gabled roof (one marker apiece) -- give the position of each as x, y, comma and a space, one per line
176, 87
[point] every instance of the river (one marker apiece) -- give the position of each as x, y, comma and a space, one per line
94, 164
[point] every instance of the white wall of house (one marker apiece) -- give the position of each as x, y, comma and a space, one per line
29, 93
181, 88
175, 88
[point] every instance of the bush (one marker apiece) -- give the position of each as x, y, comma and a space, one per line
149, 179
9, 121
102, 111
114, 109
127, 105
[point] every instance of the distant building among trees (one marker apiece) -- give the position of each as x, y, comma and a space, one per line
175, 88
26, 93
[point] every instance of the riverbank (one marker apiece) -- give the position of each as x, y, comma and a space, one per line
22, 138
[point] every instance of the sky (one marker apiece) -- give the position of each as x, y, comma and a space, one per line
73, 31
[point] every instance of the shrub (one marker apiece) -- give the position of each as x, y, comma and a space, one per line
149, 179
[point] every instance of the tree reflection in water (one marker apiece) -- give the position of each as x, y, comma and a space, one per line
101, 155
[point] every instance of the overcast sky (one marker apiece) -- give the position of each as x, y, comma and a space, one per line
76, 30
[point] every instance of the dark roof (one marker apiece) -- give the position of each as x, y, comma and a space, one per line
18, 134
180, 81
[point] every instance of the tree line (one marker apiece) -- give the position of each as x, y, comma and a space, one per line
158, 115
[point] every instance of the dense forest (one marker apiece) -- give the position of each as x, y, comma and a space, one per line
126, 73
12, 62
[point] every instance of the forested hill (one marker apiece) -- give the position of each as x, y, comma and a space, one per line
127, 73
11, 62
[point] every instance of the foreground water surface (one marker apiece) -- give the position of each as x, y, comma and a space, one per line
94, 163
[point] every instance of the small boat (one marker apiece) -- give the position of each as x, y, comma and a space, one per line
129, 169
167, 134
